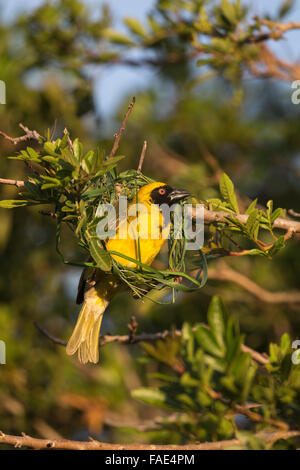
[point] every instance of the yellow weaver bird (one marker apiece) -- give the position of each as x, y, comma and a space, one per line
96, 288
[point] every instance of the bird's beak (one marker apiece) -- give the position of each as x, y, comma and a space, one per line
178, 195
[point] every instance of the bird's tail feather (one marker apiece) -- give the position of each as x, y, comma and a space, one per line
85, 337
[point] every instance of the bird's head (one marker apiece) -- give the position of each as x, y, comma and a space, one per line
161, 193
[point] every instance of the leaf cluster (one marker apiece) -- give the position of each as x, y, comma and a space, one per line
175, 31
207, 380
76, 183
259, 219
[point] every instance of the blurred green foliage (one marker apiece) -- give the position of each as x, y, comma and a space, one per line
199, 122
208, 376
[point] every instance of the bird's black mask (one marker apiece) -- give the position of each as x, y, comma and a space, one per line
167, 195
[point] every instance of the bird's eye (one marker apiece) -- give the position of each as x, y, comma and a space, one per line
161, 191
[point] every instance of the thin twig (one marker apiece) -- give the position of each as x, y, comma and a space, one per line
168, 59
17, 183
268, 65
257, 356
276, 30
146, 337
29, 135
49, 214
122, 128
225, 273
259, 418
294, 213
141, 161
49, 335
246, 411
116, 421
34, 443
132, 326
280, 28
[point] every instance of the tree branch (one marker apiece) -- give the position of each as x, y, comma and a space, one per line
17, 183
294, 213
246, 411
122, 128
35, 443
224, 273
49, 335
276, 30
146, 337
279, 28
268, 65
210, 217
219, 217
141, 161
49, 214
29, 135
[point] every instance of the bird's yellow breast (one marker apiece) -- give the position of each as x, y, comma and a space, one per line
143, 235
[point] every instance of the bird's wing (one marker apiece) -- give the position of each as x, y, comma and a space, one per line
86, 277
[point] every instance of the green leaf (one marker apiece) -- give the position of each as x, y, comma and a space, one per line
247, 382
155, 26
113, 160
218, 205
52, 181
150, 396
229, 11
50, 147
33, 154
159, 376
285, 343
135, 27
70, 157
241, 366
186, 380
67, 209
270, 209
33, 189
251, 207
203, 398
92, 193
273, 352
118, 38
233, 348
207, 341
202, 62
227, 191
252, 224
186, 400
89, 161
77, 149
203, 23
276, 214
51, 159
217, 320
49, 186
236, 222
253, 252
106, 56
100, 255
280, 243
13, 203
19, 157
64, 140
286, 7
